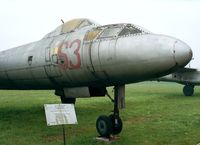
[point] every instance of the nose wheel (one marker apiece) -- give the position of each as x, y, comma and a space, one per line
109, 125
104, 126
112, 124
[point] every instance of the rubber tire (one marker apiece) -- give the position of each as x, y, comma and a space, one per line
68, 100
188, 90
104, 126
116, 128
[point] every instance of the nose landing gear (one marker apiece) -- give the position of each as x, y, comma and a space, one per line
112, 125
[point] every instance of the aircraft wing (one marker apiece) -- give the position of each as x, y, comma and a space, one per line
183, 76
183, 70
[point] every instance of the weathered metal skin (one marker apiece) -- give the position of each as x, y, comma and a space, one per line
77, 58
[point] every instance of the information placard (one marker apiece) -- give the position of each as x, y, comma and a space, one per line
59, 114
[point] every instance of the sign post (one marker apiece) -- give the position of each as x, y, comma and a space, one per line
64, 136
60, 114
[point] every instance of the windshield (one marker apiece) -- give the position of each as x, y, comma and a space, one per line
110, 32
130, 29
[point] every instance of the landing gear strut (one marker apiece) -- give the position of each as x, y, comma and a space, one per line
110, 125
188, 90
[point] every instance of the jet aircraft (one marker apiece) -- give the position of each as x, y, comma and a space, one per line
81, 58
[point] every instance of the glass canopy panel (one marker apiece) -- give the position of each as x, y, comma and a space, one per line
129, 29
110, 32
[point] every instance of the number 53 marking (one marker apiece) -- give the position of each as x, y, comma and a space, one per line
64, 60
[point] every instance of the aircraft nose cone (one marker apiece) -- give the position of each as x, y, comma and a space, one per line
182, 53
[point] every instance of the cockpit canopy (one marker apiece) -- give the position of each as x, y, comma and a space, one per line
121, 30
97, 32
71, 26
115, 30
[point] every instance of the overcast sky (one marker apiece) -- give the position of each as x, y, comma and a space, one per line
24, 21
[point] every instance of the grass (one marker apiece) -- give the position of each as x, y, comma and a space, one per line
155, 114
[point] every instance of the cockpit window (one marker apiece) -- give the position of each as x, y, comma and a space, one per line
75, 24
85, 23
93, 34
70, 26
110, 32
129, 29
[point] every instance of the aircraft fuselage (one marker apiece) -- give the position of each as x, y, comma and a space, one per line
79, 58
